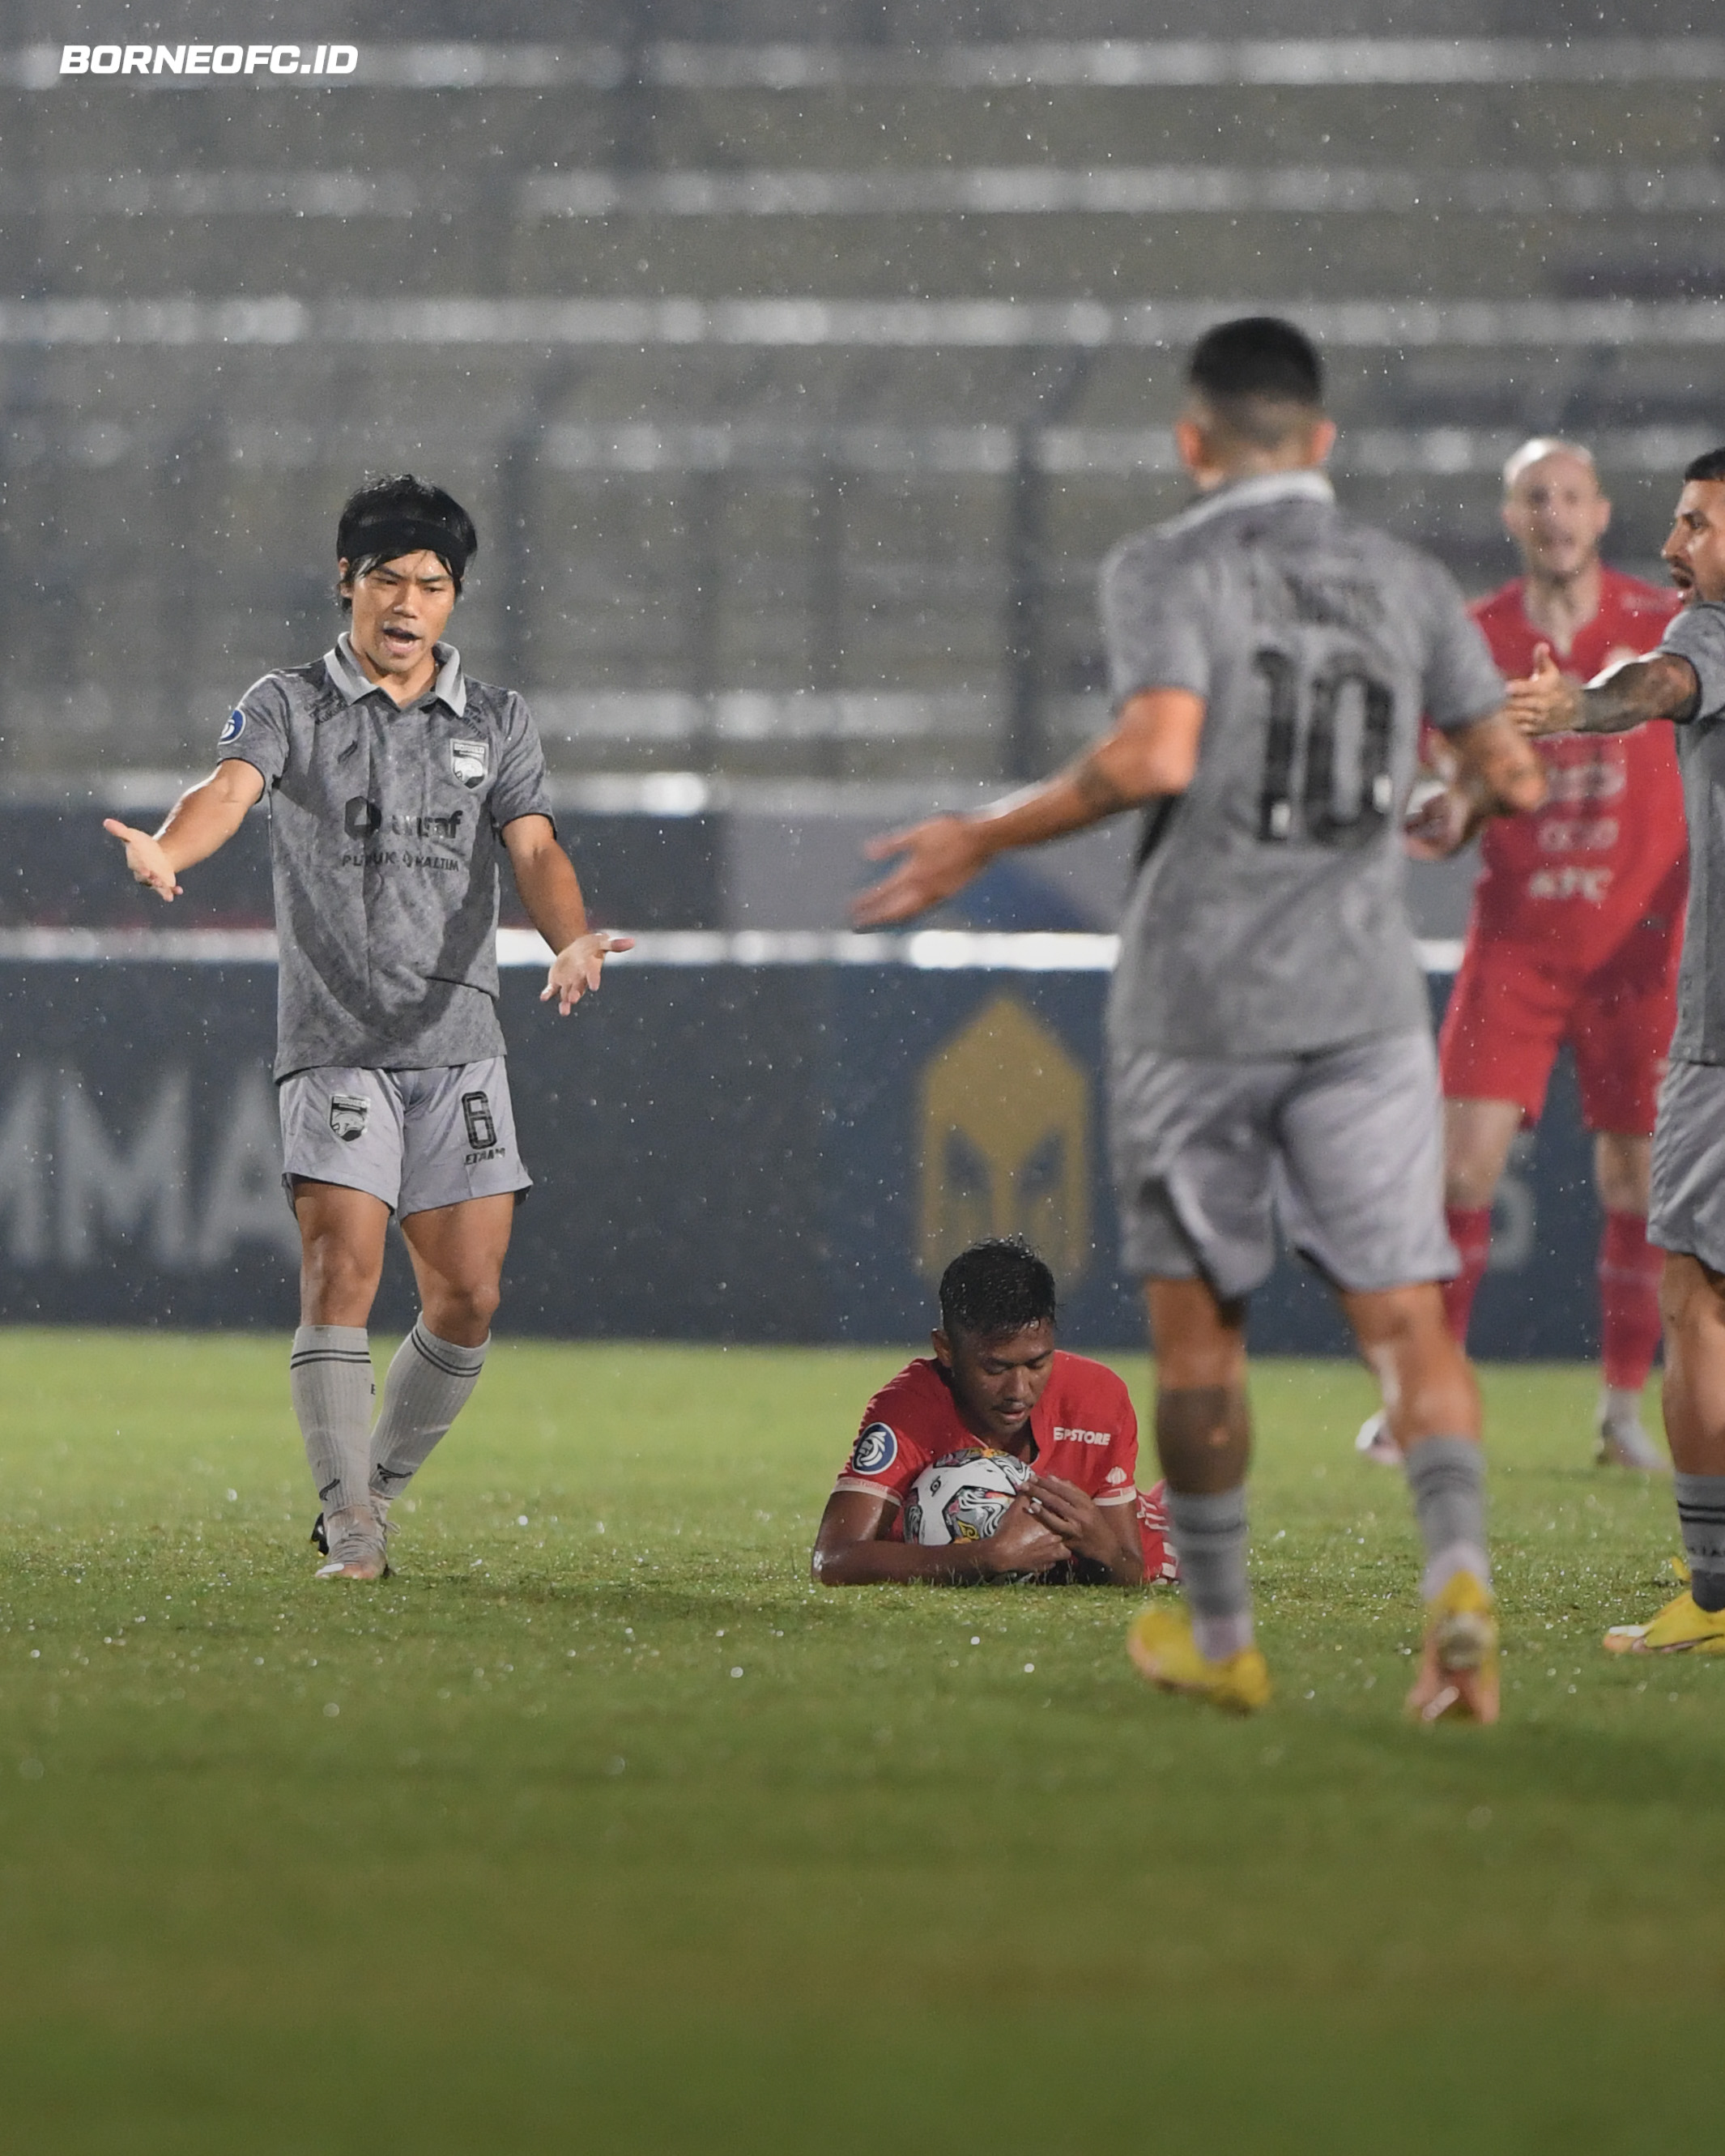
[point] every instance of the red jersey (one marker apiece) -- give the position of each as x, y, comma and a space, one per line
1083, 1430
1608, 850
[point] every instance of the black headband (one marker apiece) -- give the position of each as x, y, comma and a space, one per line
387, 538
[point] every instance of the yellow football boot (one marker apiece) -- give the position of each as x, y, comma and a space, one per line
1161, 1645
1458, 1661
1682, 1627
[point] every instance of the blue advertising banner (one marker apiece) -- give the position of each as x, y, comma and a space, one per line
722, 1152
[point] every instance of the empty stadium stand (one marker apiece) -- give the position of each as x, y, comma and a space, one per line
799, 365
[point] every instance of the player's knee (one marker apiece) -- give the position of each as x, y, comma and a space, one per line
463, 1310
332, 1271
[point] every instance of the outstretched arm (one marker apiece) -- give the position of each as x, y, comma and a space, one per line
551, 890
1662, 686
1152, 751
203, 819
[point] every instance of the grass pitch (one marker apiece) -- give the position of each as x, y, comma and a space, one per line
597, 1827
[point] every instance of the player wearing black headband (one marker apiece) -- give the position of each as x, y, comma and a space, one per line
393, 779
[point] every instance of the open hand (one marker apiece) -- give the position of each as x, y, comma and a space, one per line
145, 859
1547, 701
939, 857
575, 970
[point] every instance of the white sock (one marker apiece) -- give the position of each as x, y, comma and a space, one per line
1618, 1404
429, 1382
330, 1379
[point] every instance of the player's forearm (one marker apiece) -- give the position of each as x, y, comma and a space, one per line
1662, 687
550, 891
205, 818
875, 1563
1115, 775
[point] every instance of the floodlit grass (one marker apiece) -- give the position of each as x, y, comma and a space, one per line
597, 1827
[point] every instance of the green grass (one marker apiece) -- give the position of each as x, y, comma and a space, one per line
502, 1855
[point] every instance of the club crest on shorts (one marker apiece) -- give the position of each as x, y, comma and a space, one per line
468, 762
348, 1113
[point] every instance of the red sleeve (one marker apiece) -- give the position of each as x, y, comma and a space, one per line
1120, 1471
897, 1441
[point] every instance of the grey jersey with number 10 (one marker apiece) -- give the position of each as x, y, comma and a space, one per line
1267, 918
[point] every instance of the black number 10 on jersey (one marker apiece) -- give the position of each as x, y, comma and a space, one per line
1329, 735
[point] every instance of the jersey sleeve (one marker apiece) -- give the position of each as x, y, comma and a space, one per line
1697, 635
521, 790
1120, 1473
883, 1461
257, 730
1461, 682
1153, 622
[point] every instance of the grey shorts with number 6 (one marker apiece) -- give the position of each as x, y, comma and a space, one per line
417, 1139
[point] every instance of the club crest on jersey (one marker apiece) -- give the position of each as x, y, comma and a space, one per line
875, 1450
348, 1113
233, 729
468, 762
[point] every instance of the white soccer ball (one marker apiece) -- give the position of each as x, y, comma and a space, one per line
962, 1496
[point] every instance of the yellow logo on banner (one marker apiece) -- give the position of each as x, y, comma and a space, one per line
1005, 1123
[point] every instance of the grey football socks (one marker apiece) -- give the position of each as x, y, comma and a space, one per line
1210, 1538
1700, 1515
1447, 1476
429, 1384
329, 1379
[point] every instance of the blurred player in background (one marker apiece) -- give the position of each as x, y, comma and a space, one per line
998, 1381
1683, 681
1575, 933
1269, 1048
391, 778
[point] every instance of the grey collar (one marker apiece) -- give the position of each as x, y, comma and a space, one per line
351, 678
1304, 486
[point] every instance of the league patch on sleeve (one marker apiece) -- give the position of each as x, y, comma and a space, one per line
873, 1451
233, 729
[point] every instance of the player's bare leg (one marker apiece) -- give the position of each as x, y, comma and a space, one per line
341, 1234
1203, 1440
1629, 1273
1433, 1406
1477, 1138
1692, 1303
457, 1253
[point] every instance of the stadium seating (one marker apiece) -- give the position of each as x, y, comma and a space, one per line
798, 381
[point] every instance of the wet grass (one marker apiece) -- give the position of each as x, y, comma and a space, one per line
597, 1827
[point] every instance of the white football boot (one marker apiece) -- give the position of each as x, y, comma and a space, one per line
1621, 1440
1374, 1441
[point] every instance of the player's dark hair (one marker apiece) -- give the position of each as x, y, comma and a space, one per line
387, 518
1261, 376
1710, 464
996, 1289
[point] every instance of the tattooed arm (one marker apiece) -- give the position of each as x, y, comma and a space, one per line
1152, 752
1663, 686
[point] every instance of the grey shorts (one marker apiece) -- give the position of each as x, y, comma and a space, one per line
1687, 1213
1344, 1148
417, 1139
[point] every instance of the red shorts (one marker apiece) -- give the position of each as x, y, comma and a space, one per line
1160, 1562
1511, 1010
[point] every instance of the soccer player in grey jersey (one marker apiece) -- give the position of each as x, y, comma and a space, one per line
1683, 681
392, 780
1269, 1042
